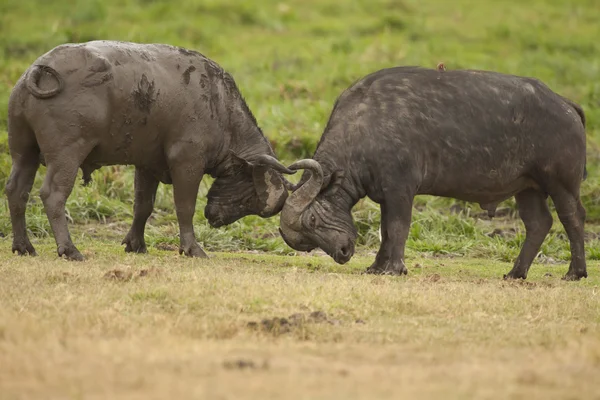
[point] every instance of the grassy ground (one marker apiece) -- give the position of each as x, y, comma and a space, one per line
292, 59
451, 329
160, 325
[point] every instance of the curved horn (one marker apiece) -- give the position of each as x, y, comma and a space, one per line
270, 186
269, 161
305, 194
277, 166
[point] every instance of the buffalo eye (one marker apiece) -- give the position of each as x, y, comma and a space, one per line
313, 221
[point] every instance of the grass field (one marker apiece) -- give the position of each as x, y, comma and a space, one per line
163, 326
451, 329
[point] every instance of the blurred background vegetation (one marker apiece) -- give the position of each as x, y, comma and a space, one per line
291, 59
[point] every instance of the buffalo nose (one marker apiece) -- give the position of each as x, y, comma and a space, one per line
216, 222
345, 251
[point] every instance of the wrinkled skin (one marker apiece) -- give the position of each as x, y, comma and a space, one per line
471, 135
172, 113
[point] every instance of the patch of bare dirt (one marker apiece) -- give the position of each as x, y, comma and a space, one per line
245, 364
61, 277
150, 272
501, 212
544, 259
118, 275
503, 233
521, 283
589, 236
281, 325
433, 278
166, 246
122, 275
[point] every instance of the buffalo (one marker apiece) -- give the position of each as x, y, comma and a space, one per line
171, 112
477, 136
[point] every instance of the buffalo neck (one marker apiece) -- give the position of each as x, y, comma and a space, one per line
248, 139
244, 138
351, 187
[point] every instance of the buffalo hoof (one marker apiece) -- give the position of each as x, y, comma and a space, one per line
134, 245
515, 275
70, 252
193, 251
388, 268
23, 247
575, 276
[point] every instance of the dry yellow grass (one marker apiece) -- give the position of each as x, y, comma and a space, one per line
452, 329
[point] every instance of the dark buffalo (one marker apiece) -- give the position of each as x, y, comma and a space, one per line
171, 112
471, 135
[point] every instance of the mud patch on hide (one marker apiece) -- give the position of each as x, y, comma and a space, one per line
210, 81
203, 81
213, 71
186, 75
188, 53
144, 96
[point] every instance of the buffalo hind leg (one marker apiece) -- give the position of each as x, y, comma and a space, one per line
186, 181
572, 215
58, 184
145, 185
395, 226
533, 210
18, 187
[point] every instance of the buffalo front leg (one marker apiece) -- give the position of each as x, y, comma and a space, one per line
58, 184
572, 215
18, 187
533, 209
186, 181
145, 193
395, 226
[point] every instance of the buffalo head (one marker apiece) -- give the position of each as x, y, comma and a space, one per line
253, 186
312, 218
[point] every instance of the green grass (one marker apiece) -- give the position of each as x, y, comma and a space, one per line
291, 60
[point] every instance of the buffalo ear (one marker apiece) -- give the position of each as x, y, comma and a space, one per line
332, 182
238, 160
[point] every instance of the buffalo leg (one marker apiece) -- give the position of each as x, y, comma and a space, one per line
18, 187
533, 209
395, 226
58, 184
186, 181
145, 193
572, 215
